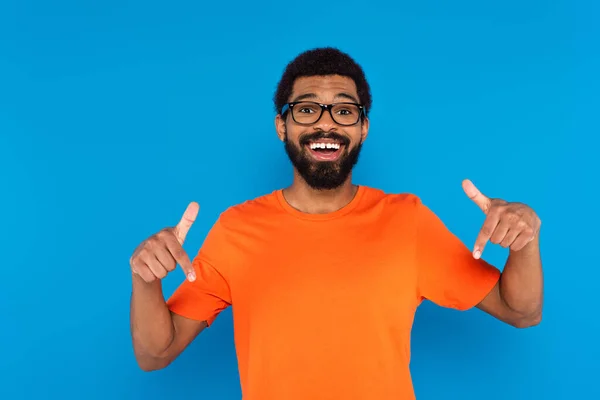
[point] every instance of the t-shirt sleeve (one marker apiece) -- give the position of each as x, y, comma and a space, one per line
449, 275
204, 298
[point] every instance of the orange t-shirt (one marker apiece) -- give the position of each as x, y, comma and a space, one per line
323, 304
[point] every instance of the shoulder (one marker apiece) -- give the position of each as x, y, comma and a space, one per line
391, 200
259, 208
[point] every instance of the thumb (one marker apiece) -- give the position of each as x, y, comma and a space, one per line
474, 194
188, 218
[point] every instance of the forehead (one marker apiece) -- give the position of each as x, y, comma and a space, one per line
324, 88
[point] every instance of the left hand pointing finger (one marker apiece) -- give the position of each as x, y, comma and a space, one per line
511, 225
491, 222
487, 230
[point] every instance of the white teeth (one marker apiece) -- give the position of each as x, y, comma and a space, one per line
334, 146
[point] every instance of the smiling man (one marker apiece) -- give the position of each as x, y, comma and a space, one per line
325, 275
322, 156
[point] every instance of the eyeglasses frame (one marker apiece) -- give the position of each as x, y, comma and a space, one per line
288, 107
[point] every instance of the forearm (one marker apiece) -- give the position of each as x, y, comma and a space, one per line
152, 328
521, 283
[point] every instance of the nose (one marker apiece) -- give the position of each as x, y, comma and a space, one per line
325, 123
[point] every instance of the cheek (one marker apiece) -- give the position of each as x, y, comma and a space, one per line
356, 137
292, 136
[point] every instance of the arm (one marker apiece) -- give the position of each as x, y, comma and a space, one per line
517, 298
158, 334
161, 330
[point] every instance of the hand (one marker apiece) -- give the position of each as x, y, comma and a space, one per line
511, 225
158, 255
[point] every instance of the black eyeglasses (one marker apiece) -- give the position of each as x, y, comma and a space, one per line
309, 112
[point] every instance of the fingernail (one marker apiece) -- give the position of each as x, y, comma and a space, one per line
477, 254
191, 277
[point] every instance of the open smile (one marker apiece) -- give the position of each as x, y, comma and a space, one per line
325, 149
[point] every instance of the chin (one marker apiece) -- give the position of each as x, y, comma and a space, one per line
323, 174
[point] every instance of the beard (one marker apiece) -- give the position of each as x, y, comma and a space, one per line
322, 175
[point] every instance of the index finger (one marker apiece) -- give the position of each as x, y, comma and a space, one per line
486, 232
180, 257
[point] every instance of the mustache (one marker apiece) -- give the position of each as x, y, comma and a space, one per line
311, 137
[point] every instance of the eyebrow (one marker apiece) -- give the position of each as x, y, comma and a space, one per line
312, 96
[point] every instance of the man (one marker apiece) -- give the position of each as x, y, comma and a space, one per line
325, 275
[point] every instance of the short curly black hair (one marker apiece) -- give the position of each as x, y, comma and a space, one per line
320, 62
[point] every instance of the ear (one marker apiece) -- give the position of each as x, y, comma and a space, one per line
364, 129
280, 127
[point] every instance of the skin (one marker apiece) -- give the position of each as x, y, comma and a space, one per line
159, 336
517, 298
327, 90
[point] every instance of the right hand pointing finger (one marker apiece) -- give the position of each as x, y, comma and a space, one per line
180, 256
159, 254
181, 230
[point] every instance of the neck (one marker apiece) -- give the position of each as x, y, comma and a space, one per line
306, 199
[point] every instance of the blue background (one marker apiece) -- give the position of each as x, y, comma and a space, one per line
114, 115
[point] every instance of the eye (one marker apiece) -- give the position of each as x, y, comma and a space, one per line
344, 111
307, 108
